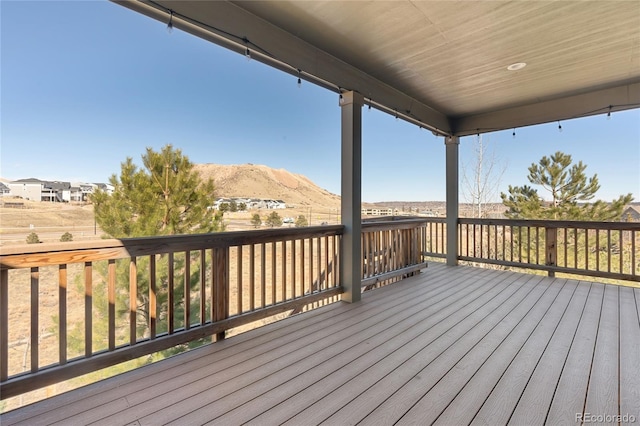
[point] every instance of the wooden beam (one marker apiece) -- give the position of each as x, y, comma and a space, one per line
626, 96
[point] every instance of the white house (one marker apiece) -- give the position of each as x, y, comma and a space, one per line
29, 189
4, 190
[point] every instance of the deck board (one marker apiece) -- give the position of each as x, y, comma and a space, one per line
307, 357
428, 367
394, 352
453, 345
413, 329
629, 353
497, 409
535, 400
468, 401
222, 386
571, 390
602, 396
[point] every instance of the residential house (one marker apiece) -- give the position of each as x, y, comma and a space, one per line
88, 188
4, 190
28, 189
631, 214
39, 190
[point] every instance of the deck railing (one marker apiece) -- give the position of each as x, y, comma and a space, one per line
392, 249
143, 295
597, 249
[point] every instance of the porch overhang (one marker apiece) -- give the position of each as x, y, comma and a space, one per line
434, 63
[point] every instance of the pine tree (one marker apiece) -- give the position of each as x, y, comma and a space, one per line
167, 197
570, 190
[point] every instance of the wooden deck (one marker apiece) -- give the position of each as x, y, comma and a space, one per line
452, 346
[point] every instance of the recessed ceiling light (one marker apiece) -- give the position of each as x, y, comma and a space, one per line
517, 66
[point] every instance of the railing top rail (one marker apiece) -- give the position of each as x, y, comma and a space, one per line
33, 255
624, 226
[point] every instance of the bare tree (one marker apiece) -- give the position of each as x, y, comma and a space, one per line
481, 178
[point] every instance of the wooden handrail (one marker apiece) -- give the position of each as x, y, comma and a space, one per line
230, 278
597, 249
171, 266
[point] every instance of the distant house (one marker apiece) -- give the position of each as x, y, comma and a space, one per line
257, 203
56, 192
251, 203
88, 188
631, 214
4, 190
80, 191
275, 204
380, 212
41, 190
29, 189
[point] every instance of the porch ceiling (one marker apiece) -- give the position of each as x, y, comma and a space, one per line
440, 63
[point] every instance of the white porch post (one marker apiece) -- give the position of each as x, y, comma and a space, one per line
351, 195
452, 143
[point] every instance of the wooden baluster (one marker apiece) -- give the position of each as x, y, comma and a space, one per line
608, 250
62, 314
171, 326
220, 287
468, 235
284, 271
633, 253
88, 309
597, 250
35, 278
504, 243
293, 269
365, 254
310, 265
111, 298
152, 297
575, 248
302, 268
4, 324
187, 290
203, 286
481, 240
551, 248
133, 300
495, 242
252, 277
621, 251
239, 262
565, 243
326, 262
263, 275
273, 273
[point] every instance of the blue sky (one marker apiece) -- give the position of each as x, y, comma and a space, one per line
85, 84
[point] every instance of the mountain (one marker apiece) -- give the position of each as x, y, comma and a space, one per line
258, 181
